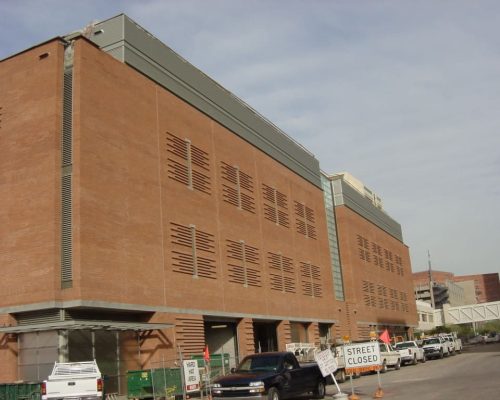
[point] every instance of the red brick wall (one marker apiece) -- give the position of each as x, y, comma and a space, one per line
126, 202
30, 98
422, 277
366, 280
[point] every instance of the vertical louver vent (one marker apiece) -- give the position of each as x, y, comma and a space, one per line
311, 280
66, 233
305, 221
282, 272
66, 173
188, 164
275, 206
67, 128
237, 188
243, 267
193, 251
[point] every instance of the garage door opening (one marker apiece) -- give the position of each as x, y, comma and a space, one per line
221, 338
265, 338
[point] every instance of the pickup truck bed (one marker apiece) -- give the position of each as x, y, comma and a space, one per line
78, 380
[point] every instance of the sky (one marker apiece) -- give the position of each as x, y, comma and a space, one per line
404, 95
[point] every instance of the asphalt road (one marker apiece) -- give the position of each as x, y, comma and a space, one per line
474, 374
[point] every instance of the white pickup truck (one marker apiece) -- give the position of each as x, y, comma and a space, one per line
74, 380
410, 352
435, 347
389, 357
454, 343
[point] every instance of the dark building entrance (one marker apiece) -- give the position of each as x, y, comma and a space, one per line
265, 338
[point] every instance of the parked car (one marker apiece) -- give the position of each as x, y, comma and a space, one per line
410, 352
476, 339
389, 357
492, 337
273, 375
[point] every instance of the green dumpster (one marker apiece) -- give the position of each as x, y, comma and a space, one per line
21, 391
162, 382
219, 364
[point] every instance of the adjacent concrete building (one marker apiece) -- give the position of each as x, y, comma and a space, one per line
486, 286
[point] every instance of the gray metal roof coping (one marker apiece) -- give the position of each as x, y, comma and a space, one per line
127, 41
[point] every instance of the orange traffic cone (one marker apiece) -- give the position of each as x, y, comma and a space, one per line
379, 393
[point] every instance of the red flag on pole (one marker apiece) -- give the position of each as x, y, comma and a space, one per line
206, 354
384, 337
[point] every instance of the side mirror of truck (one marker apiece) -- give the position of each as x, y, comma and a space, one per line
233, 370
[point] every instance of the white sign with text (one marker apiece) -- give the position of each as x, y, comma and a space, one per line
362, 355
326, 362
191, 376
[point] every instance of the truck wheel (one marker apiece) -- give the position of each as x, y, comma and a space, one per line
424, 359
320, 390
273, 394
340, 376
398, 365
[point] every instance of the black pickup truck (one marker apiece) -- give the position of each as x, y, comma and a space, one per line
270, 376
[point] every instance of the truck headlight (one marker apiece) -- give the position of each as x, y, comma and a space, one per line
256, 387
216, 385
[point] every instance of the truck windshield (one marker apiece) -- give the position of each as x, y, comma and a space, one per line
404, 345
431, 341
259, 363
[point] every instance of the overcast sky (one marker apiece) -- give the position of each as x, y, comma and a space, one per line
405, 95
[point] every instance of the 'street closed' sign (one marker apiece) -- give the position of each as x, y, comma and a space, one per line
362, 355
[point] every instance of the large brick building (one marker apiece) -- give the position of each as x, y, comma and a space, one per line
145, 210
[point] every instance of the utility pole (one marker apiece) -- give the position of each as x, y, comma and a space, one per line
431, 283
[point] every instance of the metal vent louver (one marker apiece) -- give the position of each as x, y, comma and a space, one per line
67, 139
39, 317
66, 233
66, 182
